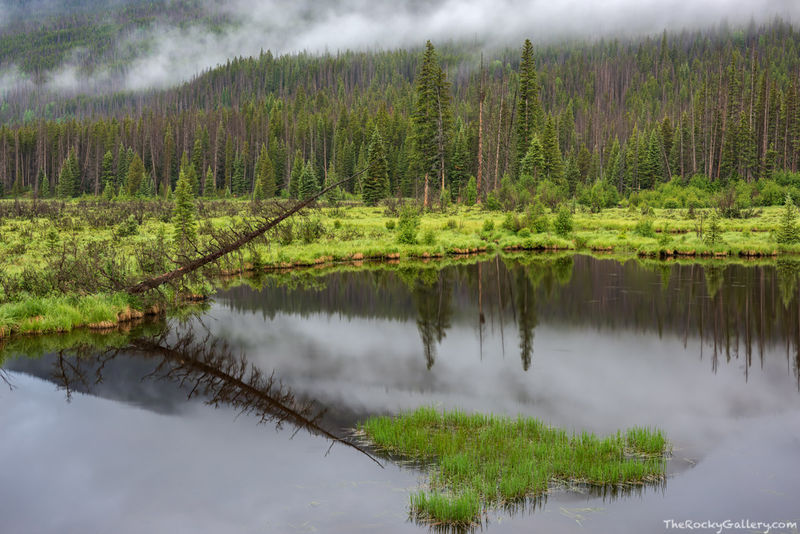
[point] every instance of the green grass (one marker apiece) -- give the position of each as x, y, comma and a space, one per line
29, 246
479, 461
42, 315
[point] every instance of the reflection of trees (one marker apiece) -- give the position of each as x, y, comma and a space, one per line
208, 369
433, 295
525, 301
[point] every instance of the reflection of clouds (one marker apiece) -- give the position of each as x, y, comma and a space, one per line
582, 378
100, 466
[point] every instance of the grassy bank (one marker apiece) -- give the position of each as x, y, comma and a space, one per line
479, 461
51, 252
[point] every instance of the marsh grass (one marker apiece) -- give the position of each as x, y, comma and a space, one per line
480, 461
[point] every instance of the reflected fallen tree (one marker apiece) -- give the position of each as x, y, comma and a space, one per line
209, 369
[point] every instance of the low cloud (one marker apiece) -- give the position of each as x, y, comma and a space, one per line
176, 54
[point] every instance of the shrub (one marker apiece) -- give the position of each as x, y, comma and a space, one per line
713, 234
311, 230
524, 232
127, 228
429, 237
408, 225
471, 192
488, 225
512, 222
671, 204
492, 202
563, 223
390, 224
644, 228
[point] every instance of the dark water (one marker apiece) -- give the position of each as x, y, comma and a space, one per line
709, 354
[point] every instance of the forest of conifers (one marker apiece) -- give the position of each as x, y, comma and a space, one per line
616, 115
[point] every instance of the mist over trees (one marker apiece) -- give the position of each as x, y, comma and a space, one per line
556, 120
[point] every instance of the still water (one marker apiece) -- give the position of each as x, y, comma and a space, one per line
228, 422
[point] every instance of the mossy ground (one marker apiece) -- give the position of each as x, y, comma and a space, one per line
479, 461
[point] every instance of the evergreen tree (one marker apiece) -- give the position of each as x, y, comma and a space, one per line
431, 118
553, 167
529, 107
458, 162
124, 158
309, 184
183, 215
198, 160
108, 176
376, 180
210, 190
188, 170
169, 162
68, 179
146, 187
44, 184
533, 162
265, 173
788, 232
238, 186
135, 176
295, 177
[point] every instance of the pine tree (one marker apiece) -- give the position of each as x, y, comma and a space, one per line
44, 184
146, 187
68, 179
294, 178
107, 177
135, 176
309, 184
188, 170
169, 161
265, 173
238, 186
458, 162
198, 160
183, 215
431, 119
210, 190
376, 179
533, 162
788, 232
553, 167
529, 108
124, 158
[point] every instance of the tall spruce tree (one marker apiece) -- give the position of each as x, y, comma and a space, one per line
529, 107
309, 183
265, 173
431, 121
375, 183
183, 215
135, 176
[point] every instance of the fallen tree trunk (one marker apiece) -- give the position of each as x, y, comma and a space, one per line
197, 263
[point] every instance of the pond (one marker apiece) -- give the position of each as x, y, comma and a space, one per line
228, 421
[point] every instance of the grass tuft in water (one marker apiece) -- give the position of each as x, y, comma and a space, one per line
479, 461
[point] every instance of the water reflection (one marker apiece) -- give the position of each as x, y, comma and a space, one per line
735, 310
579, 342
199, 364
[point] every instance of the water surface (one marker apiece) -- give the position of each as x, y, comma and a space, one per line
708, 353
